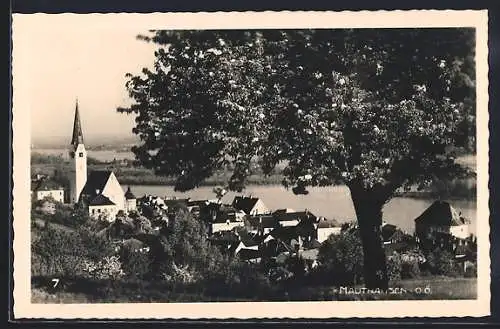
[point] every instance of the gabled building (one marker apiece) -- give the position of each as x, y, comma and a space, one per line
391, 233
250, 205
261, 224
441, 218
325, 228
293, 218
46, 188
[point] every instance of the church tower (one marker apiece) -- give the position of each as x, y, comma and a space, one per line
79, 156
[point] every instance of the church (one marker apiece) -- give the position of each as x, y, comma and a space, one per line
99, 191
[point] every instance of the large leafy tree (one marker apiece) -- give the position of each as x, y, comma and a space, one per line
375, 109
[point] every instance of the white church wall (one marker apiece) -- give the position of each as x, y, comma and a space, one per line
107, 212
114, 192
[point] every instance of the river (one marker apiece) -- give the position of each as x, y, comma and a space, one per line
331, 202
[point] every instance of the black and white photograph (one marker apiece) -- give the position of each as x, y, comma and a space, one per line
252, 165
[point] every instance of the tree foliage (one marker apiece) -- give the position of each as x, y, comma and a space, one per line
342, 257
375, 109
184, 244
356, 105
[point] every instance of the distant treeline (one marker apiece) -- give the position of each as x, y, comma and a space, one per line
129, 174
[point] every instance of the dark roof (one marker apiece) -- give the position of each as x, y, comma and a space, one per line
247, 254
285, 233
389, 231
441, 213
224, 213
101, 200
45, 184
262, 221
96, 181
297, 215
326, 223
129, 195
77, 137
225, 236
244, 203
200, 203
176, 202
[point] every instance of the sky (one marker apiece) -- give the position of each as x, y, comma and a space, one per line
58, 63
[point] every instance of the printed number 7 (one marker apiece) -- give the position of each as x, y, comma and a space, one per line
56, 281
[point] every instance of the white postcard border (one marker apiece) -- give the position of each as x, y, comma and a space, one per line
24, 23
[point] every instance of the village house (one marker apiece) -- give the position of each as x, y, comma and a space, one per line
250, 205
292, 218
100, 191
391, 233
195, 206
325, 228
220, 217
171, 205
261, 224
441, 217
44, 187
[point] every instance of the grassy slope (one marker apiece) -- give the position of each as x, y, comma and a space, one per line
440, 288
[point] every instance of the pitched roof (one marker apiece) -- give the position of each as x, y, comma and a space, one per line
297, 215
45, 184
101, 200
77, 137
388, 231
244, 203
200, 203
248, 254
285, 233
176, 202
441, 213
96, 181
328, 223
263, 221
129, 195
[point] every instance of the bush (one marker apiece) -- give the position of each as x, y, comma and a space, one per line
135, 264
341, 258
410, 270
109, 268
441, 262
394, 265
471, 271
59, 252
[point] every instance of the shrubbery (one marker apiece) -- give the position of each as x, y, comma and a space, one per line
181, 259
441, 262
341, 258
394, 267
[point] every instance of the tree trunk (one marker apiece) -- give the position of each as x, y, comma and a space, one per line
368, 207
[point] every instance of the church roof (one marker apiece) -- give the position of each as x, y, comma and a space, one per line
101, 200
129, 195
77, 129
96, 182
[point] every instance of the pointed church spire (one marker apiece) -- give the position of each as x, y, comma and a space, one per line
77, 128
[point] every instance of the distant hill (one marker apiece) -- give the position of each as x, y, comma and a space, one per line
92, 142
